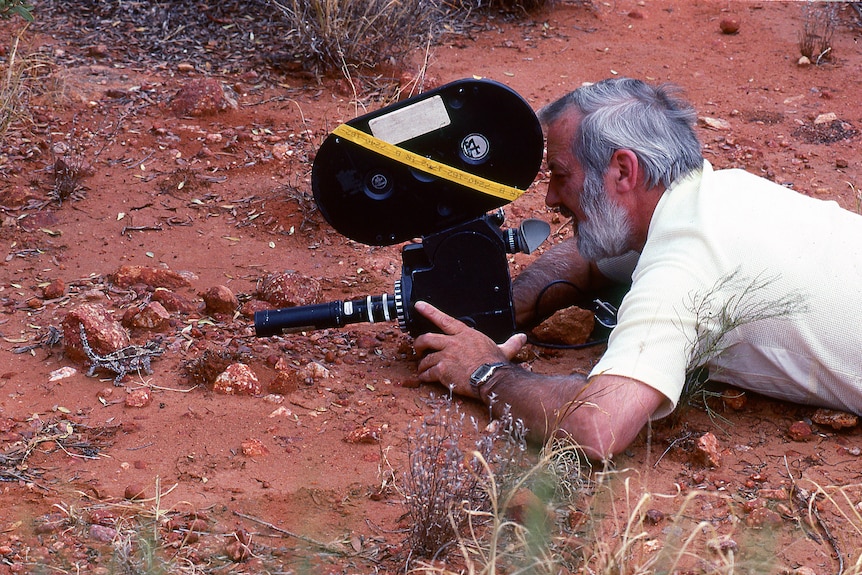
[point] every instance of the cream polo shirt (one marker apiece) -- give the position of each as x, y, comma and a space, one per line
729, 240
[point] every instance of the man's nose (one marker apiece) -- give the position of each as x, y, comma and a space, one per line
552, 198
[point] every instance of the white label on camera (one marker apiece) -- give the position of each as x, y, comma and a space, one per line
411, 121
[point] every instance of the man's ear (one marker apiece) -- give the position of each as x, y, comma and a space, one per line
624, 171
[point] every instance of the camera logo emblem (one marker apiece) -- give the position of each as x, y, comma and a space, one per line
475, 148
379, 182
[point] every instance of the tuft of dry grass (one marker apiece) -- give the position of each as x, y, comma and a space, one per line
444, 484
331, 35
819, 20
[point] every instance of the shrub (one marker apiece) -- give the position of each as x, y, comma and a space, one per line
10, 8
334, 34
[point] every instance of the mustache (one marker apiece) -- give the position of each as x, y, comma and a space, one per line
566, 212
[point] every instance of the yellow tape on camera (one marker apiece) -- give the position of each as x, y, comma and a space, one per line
427, 165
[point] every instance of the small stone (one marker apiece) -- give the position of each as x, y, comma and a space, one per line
134, 492
55, 289
254, 448
237, 379
734, 399
842, 163
800, 431
653, 517
729, 26
763, 517
102, 533
714, 123
154, 317
803, 62
826, 118
127, 276
368, 433
708, 450
220, 299
98, 51
138, 398
834, 419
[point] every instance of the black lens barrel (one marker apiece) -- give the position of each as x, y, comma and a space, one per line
370, 309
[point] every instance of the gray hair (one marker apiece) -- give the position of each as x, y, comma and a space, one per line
623, 113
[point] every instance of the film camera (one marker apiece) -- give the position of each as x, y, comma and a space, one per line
436, 167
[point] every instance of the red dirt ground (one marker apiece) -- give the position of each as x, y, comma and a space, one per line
245, 210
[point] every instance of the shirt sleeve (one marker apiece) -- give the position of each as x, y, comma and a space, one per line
653, 341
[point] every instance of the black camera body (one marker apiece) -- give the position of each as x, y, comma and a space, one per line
438, 168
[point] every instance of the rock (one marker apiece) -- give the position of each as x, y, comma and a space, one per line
367, 433
203, 97
729, 26
102, 516
138, 398
102, 533
653, 517
62, 373
56, 288
104, 333
803, 62
172, 301
220, 299
708, 450
834, 419
16, 196
800, 431
252, 306
714, 123
254, 448
98, 51
763, 517
842, 163
826, 118
526, 508
237, 379
569, 326
734, 399
153, 317
127, 276
286, 382
134, 492
289, 289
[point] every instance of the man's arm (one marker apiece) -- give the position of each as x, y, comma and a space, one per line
557, 279
603, 414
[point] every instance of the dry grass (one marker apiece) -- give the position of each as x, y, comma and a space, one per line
333, 35
818, 26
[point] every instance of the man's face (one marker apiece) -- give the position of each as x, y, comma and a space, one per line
603, 227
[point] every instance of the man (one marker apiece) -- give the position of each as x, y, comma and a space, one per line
755, 281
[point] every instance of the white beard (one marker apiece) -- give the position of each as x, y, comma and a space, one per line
607, 231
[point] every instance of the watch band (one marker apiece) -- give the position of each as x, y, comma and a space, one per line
483, 373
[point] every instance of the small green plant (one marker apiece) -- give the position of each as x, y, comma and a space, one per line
10, 8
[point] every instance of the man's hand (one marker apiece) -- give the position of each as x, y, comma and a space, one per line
452, 356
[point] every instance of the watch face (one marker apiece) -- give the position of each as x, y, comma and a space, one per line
483, 372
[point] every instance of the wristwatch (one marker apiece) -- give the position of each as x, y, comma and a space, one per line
483, 373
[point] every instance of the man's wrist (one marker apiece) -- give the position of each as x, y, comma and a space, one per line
486, 377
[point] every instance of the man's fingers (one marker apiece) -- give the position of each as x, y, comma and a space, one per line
513, 345
448, 324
